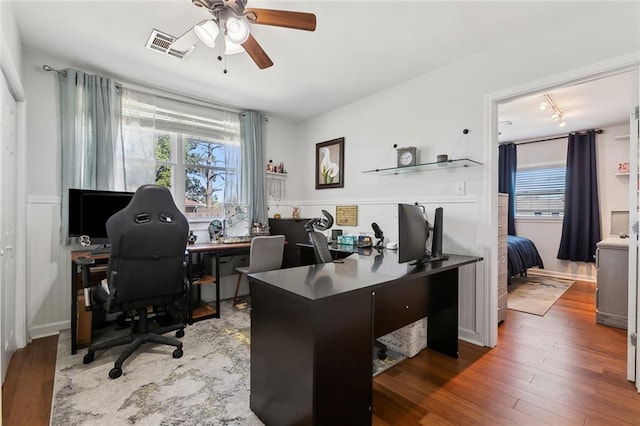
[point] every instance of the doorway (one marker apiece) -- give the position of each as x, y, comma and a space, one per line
613, 68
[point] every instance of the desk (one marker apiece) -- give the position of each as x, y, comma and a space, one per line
203, 310
81, 320
313, 327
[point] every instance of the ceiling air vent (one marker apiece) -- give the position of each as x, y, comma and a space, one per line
161, 42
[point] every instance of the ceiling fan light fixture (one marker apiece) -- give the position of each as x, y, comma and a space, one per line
231, 48
237, 30
207, 32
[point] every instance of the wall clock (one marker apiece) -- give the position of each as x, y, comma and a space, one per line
407, 156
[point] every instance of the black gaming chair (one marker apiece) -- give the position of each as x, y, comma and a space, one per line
146, 270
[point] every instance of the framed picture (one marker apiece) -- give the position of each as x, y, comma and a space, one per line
330, 164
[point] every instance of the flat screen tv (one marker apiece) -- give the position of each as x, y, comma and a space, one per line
413, 235
90, 209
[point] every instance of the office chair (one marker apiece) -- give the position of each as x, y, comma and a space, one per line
323, 255
265, 255
317, 239
146, 269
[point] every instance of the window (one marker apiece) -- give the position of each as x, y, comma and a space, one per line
540, 192
191, 149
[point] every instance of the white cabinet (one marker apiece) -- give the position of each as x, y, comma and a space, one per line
503, 207
612, 260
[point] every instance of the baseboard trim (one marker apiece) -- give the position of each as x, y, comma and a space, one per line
470, 337
47, 330
563, 275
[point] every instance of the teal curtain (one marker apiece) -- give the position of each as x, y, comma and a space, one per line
90, 112
253, 166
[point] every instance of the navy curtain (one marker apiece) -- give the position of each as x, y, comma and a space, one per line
507, 163
581, 224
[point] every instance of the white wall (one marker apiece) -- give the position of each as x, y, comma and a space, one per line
429, 112
10, 38
612, 190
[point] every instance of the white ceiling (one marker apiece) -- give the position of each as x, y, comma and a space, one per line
359, 47
605, 102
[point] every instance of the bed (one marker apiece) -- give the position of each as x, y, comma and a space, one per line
522, 254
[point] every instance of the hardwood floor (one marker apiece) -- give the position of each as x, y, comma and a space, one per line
559, 369
28, 387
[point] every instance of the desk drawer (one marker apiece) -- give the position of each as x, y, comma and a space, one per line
399, 304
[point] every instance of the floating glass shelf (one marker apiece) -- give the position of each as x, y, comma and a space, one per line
449, 164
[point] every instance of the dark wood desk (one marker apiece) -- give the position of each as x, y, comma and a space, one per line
313, 327
201, 310
81, 319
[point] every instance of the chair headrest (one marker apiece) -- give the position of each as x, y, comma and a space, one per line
320, 223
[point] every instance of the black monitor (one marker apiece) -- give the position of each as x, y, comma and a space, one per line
436, 237
413, 231
413, 234
90, 209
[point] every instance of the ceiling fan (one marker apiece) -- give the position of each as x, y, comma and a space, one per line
230, 22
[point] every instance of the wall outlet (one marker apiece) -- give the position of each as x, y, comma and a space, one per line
460, 188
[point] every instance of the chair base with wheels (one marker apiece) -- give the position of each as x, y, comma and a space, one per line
140, 334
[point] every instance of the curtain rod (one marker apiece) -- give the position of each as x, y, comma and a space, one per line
553, 138
141, 87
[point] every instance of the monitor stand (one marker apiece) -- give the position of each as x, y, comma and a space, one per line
435, 258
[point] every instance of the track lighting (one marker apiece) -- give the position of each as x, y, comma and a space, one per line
557, 112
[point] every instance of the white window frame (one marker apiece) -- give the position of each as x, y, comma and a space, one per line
177, 162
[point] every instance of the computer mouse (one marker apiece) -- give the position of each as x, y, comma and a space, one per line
392, 245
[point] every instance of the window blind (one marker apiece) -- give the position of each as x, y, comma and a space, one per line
540, 191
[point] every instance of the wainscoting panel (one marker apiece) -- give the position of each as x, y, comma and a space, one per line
48, 270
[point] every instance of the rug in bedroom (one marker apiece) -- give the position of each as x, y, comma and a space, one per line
209, 385
536, 294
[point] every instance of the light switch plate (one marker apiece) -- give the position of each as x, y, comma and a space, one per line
460, 188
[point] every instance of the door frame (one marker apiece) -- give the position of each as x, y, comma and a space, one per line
633, 355
607, 68
9, 72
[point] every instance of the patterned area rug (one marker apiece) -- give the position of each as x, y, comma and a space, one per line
209, 385
536, 294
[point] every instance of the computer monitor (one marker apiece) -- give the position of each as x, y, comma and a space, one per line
413, 234
89, 211
413, 231
436, 237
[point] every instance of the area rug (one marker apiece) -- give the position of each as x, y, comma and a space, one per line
209, 385
536, 294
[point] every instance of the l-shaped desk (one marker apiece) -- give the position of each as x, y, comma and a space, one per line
313, 327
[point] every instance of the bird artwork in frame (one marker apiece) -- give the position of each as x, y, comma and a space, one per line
330, 164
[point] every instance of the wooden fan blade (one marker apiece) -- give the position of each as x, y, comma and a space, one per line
257, 54
282, 18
